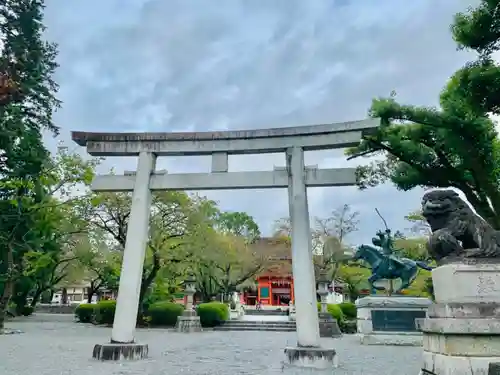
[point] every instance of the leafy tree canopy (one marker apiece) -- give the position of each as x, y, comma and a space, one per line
455, 145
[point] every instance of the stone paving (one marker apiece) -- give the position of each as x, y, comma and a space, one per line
64, 348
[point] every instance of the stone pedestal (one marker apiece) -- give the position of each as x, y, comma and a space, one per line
328, 327
188, 322
119, 351
9, 331
292, 312
317, 358
390, 320
462, 330
238, 312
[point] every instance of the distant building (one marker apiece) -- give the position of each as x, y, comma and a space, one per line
273, 286
78, 293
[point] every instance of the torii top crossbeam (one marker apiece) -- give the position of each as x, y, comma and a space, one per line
314, 137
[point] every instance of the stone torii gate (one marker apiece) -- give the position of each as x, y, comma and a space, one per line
295, 176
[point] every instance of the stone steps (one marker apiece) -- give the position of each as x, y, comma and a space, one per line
256, 329
241, 325
265, 312
263, 321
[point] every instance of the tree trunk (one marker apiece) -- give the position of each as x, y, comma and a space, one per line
90, 293
148, 280
64, 296
4, 305
8, 288
36, 297
4, 301
20, 300
146, 283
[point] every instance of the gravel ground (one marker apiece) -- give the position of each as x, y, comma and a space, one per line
59, 348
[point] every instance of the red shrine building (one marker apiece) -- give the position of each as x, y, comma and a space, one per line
274, 285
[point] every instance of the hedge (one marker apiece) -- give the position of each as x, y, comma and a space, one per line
349, 309
160, 313
334, 311
213, 313
348, 326
104, 312
84, 312
164, 313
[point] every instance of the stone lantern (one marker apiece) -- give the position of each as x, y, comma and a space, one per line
189, 321
328, 326
189, 291
322, 291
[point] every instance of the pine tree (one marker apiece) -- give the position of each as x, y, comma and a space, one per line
27, 105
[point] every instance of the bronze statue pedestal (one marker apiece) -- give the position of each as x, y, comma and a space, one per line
462, 330
384, 320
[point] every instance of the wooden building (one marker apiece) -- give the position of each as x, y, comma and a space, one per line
274, 284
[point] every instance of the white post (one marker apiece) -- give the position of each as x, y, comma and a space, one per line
302, 261
127, 302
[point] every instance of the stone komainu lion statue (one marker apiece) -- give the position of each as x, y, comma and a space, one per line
457, 232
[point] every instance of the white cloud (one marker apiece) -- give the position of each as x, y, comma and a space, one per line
192, 65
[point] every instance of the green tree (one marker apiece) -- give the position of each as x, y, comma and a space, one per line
419, 224
27, 103
175, 219
354, 277
479, 28
60, 213
434, 148
478, 82
99, 266
413, 248
238, 224
455, 145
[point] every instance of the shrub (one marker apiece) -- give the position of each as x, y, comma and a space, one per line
334, 311
349, 309
84, 312
213, 313
105, 312
27, 310
348, 326
14, 310
164, 313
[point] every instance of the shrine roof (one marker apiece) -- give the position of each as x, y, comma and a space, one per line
278, 252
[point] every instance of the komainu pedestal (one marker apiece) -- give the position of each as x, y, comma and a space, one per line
462, 330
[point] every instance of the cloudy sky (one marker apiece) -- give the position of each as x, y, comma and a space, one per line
195, 65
